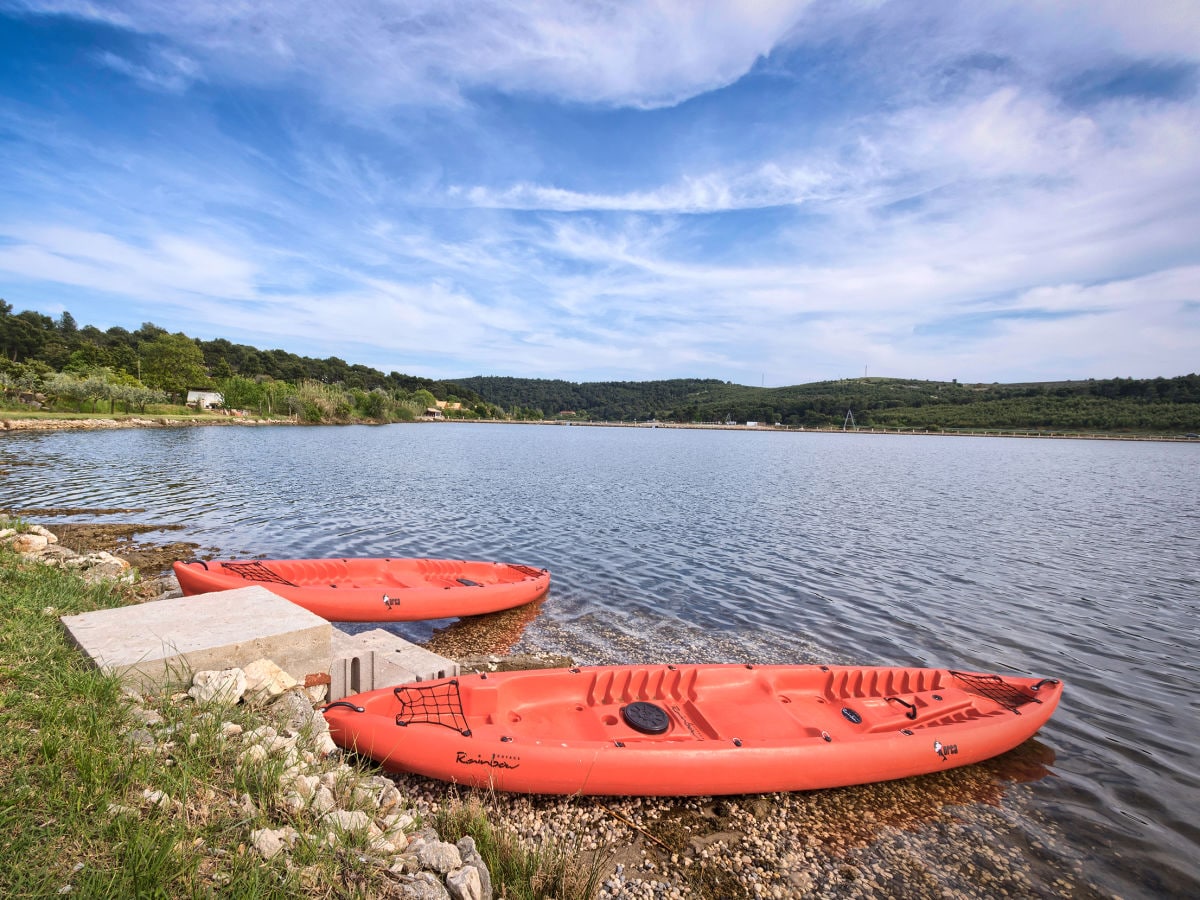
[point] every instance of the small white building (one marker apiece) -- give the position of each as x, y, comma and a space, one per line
205, 399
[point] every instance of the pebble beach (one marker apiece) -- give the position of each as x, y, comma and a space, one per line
927, 837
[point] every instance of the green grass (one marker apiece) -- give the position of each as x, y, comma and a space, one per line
79, 812
528, 873
77, 809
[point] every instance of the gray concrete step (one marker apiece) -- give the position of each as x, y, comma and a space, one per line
377, 658
163, 643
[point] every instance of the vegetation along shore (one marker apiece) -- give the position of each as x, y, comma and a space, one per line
57, 366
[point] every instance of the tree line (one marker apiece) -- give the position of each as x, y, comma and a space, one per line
86, 369
57, 363
1115, 404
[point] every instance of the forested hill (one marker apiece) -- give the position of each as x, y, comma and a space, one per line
601, 400
58, 364
1158, 404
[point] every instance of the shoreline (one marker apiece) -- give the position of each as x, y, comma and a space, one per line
36, 424
868, 841
102, 423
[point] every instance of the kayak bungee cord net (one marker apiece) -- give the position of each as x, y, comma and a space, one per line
995, 688
438, 703
255, 571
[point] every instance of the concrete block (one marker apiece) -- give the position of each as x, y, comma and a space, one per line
162, 644
377, 659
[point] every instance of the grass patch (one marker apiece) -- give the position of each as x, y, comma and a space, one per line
543, 872
104, 797
101, 803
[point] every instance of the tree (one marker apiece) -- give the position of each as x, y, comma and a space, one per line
22, 336
173, 363
87, 357
67, 388
242, 393
424, 399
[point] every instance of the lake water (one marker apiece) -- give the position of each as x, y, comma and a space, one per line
1078, 560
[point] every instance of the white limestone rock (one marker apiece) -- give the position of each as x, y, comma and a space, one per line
465, 884
265, 681
224, 686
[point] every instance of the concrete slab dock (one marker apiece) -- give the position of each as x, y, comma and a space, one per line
377, 658
164, 642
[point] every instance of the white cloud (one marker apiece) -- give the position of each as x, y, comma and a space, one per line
643, 54
170, 72
769, 184
982, 207
165, 266
1156, 28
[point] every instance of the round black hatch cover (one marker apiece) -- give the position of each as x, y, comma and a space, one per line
646, 717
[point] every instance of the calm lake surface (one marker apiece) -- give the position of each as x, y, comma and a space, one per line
1078, 560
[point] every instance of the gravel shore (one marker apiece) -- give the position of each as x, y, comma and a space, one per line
962, 833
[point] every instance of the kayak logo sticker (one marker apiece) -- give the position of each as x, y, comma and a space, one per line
687, 724
945, 751
495, 761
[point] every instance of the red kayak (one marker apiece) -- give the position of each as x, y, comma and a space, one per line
375, 590
692, 729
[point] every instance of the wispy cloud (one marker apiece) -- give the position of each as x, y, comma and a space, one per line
639, 54
167, 71
783, 190
768, 185
171, 266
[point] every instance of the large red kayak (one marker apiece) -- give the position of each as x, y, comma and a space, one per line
692, 729
375, 590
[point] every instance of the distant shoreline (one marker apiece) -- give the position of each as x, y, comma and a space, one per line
28, 424
102, 423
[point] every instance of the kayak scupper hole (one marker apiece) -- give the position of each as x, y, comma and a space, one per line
609, 720
514, 717
578, 708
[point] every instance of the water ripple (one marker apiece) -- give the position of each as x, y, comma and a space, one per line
1078, 560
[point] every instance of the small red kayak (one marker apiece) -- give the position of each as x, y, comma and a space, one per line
375, 590
692, 729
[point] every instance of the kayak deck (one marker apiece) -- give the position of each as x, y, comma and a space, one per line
693, 729
376, 589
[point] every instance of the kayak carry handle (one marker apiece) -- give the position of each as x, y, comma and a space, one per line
1044, 681
344, 703
912, 709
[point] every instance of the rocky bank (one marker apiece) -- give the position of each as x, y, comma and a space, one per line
338, 802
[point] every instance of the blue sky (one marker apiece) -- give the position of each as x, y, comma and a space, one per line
762, 192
